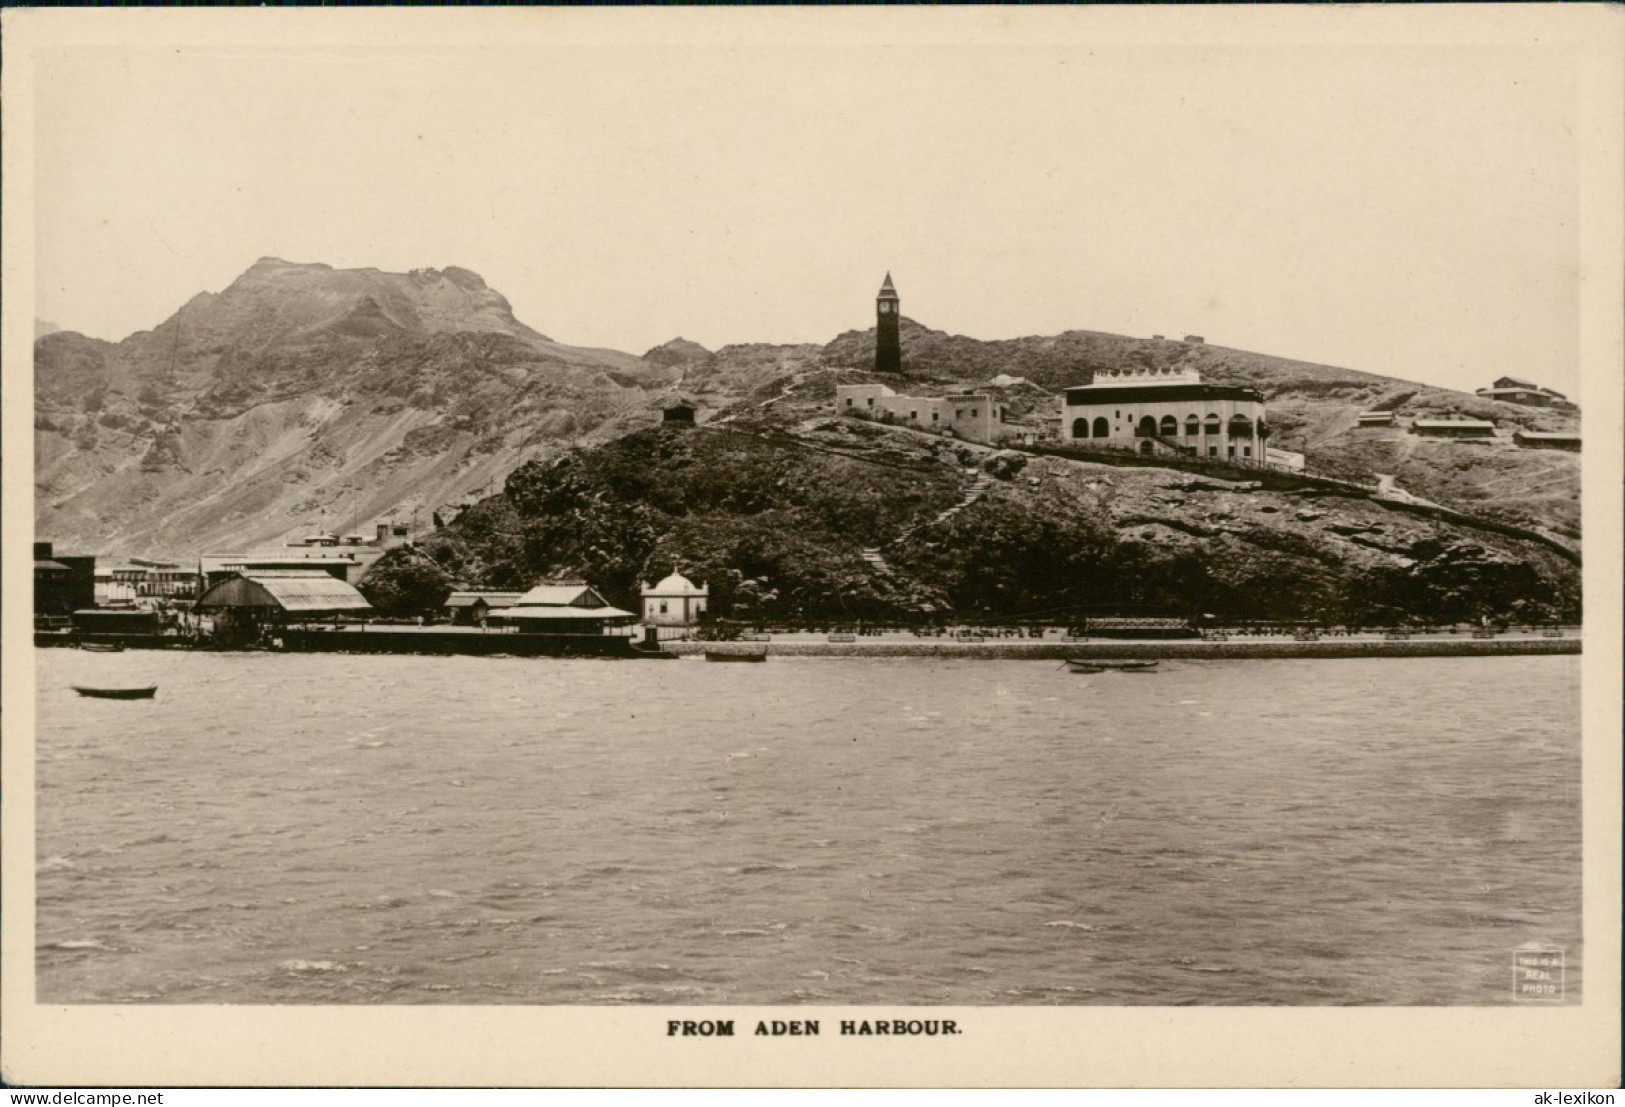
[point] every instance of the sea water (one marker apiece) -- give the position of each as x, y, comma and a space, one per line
331, 829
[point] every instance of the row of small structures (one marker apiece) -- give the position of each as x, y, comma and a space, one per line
1481, 429
244, 603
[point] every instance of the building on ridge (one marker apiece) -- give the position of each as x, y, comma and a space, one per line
1516, 390
973, 416
1453, 428
1165, 410
1548, 440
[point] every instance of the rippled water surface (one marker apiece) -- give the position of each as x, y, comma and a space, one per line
331, 829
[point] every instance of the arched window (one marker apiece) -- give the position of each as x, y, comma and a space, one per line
1103, 427
1240, 427
1193, 426
1145, 447
1147, 427
1210, 425
1080, 428
1170, 426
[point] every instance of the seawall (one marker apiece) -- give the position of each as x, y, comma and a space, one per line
1017, 650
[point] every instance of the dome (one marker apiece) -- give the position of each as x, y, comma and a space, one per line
676, 585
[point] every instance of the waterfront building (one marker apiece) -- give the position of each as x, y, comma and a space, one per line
473, 608
244, 601
1516, 390
113, 585
141, 578
973, 416
565, 607
675, 601
1548, 440
1376, 419
1165, 410
116, 620
888, 339
63, 583
165, 579
1453, 428
1137, 627
341, 565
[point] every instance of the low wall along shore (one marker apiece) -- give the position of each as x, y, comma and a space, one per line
1015, 649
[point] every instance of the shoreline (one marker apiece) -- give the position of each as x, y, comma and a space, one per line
1145, 650
432, 643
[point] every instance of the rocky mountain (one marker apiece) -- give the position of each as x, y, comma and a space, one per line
43, 327
304, 397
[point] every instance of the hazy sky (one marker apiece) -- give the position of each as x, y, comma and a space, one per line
1408, 210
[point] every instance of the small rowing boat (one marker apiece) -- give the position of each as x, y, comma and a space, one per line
102, 647
145, 692
1090, 665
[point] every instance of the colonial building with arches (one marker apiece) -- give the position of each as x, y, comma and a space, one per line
1167, 410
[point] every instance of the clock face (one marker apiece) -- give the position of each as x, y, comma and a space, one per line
885, 308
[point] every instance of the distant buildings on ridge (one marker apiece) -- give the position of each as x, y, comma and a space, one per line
1516, 390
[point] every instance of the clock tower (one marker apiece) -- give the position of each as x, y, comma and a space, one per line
888, 348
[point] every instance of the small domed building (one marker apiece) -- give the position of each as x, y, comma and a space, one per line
674, 602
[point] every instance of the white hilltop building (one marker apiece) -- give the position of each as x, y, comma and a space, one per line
1165, 410
674, 602
973, 416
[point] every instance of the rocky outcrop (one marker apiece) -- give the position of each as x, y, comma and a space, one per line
842, 520
679, 351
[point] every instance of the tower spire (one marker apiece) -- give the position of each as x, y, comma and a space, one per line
888, 345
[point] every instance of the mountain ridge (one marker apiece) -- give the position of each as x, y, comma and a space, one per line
301, 391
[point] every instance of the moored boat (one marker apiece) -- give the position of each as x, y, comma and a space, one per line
736, 655
1091, 665
144, 692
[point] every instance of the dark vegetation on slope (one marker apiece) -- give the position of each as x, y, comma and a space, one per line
775, 523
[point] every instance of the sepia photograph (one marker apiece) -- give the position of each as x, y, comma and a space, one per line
1108, 484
